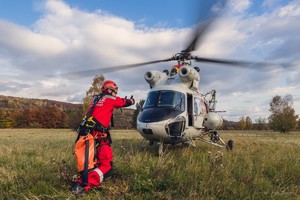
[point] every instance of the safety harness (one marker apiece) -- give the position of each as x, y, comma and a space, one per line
85, 147
89, 124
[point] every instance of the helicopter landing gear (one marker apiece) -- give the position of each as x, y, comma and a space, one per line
151, 142
186, 144
189, 143
160, 149
229, 145
214, 137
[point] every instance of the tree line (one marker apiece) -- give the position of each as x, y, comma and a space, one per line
18, 112
282, 117
34, 113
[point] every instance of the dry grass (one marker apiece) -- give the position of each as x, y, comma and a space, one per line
39, 164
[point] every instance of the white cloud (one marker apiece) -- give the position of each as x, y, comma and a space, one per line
291, 10
68, 39
24, 41
238, 6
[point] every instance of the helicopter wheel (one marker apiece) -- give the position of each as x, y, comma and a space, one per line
186, 144
160, 149
229, 145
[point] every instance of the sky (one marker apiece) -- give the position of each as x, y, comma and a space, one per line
42, 40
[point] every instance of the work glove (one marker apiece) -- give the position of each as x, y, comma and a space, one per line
132, 100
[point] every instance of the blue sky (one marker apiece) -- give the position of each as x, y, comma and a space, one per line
153, 13
178, 13
40, 39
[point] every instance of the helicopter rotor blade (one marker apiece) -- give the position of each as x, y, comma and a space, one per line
212, 10
199, 32
238, 63
91, 72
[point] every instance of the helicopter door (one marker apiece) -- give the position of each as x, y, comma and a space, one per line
198, 112
190, 109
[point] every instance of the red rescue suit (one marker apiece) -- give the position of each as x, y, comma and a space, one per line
105, 107
102, 113
104, 163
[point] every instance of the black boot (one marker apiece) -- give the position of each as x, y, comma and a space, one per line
78, 189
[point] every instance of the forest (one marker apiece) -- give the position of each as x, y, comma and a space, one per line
18, 112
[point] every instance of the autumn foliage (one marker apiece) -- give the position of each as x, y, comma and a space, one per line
18, 112
35, 113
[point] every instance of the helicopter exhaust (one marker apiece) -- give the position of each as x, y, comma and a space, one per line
154, 77
189, 76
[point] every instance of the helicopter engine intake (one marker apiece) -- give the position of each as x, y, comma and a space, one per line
189, 76
154, 77
213, 121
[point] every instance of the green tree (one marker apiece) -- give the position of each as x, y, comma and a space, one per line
93, 90
136, 112
18, 118
5, 118
283, 117
248, 123
245, 123
260, 124
242, 122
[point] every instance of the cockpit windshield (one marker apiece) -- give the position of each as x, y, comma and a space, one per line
162, 105
165, 98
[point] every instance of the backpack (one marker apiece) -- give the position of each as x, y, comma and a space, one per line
86, 153
85, 145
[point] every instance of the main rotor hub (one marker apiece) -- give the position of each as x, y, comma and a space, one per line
183, 58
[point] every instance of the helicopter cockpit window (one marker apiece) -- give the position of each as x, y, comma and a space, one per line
150, 101
167, 103
165, 98
179, 101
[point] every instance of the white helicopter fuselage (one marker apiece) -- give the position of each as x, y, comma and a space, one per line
159, 130
174, 111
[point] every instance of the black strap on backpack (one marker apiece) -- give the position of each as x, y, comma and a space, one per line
96, 99
88, 124
85, 171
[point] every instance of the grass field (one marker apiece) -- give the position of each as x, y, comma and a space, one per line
39, 164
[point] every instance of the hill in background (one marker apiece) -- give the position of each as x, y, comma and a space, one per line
16, 112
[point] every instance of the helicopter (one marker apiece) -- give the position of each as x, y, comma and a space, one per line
175, 111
